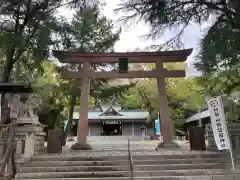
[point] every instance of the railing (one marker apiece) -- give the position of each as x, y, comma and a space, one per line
9, 154
130, 160
15, 148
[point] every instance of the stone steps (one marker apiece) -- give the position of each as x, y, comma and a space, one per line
77, 157
195, 172
123, 168
125, 162
78, 166
203, 177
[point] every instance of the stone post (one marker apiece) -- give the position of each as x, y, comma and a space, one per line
1, 148
19, 147
29, 145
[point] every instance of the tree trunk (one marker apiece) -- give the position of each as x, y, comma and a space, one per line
17, 71
70, 116
7, 68
68, 129
6, 76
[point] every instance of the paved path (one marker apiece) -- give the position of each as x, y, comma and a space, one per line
118, 148
123, 145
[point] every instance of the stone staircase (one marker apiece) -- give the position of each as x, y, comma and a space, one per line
151, 166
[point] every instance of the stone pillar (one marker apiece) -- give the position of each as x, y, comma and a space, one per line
133, 133
2, 146
200, 122
236, 143
83, 121
19, 147
166, 123
29, 145
143, 134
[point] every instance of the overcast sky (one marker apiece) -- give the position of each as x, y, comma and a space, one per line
130, 37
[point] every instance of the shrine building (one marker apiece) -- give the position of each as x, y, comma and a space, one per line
112, 123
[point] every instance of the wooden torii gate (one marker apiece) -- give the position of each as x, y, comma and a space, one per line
87, 59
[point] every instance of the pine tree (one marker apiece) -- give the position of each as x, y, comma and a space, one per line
25, 26
93, 32
219, 47
26, 29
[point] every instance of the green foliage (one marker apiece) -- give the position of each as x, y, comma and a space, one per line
26, 29
183, 95
91, 31
218, 57
118, 91
131, 100
53, 94
29, 29
226, 83
219, 47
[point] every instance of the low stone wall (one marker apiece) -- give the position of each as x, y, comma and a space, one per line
116, 138
37, 130
125, 138
234, 133
20, 135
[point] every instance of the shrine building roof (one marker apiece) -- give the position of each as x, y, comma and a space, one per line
111, 111
125, 115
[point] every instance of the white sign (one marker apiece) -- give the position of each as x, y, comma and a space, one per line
112, 122
218, 121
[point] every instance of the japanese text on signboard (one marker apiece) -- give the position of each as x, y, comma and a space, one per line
214, 104
218, 122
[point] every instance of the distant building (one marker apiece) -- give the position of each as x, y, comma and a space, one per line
111, 123
201, 119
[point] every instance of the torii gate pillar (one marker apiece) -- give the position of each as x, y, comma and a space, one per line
166, 123
84, 99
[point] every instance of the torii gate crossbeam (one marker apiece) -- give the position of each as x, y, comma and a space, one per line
87, 59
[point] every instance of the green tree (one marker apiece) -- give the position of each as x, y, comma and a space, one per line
184, 96
26, 34
51, 95
92, 32
219, 47
225, 83
25, 26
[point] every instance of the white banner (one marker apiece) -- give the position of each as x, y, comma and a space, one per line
218, 121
